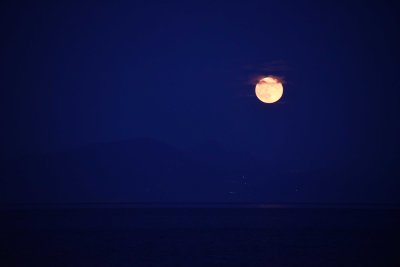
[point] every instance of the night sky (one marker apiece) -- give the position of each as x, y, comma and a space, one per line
183, 74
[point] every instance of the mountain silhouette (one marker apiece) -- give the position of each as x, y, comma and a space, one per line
146, 170
137, 170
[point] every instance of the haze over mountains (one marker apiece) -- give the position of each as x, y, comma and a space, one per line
146, 170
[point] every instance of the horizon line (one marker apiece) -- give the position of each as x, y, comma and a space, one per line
261, 205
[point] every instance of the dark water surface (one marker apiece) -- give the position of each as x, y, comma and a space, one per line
129, 236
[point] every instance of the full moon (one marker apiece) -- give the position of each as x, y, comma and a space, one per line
269, 90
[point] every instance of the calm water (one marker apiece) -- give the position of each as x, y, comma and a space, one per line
269, 236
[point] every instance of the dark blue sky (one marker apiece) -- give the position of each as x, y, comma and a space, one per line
74, 74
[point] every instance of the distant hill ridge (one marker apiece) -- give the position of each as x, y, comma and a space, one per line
146, 170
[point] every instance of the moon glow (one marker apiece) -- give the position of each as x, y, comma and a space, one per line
269, 90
